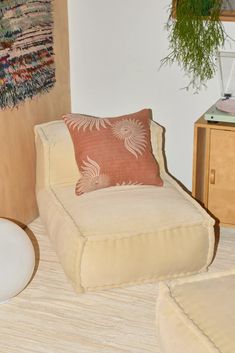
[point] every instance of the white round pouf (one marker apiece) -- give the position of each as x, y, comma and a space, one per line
17, 259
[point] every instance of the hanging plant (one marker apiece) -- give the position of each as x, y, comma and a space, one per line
195, 35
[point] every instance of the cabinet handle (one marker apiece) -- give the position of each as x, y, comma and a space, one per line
212, 176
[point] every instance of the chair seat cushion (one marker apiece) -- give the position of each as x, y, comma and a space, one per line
128, 210
127, 234
197, 314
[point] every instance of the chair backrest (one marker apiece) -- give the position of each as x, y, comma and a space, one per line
157, 144
55, 154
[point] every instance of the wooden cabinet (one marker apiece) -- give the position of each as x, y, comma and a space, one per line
214, 169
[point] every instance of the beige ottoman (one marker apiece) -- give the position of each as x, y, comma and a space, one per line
197, 314
120, 235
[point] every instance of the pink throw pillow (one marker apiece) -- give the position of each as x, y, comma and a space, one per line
113, 151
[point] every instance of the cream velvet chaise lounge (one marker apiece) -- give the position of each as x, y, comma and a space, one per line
121, 235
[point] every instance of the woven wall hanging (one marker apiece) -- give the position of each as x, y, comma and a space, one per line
26, 50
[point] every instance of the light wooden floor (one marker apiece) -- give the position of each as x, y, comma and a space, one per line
48, 317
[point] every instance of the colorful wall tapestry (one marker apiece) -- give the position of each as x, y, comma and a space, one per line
26, 50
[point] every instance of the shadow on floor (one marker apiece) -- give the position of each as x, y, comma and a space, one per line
36, 249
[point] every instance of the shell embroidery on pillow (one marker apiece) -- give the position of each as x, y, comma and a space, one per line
91, 178
113, 151
133, 134
85, 122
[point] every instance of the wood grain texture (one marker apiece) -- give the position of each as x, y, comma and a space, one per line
199, 164
48, 317
227, 15
17, 168
201, 122
221, 195
214, 146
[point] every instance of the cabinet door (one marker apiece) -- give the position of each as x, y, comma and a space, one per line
221, 195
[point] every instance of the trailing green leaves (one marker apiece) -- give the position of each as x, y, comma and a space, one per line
194, 39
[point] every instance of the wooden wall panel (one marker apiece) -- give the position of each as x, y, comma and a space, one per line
17, 167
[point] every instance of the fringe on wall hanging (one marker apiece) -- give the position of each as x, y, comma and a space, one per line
26, 50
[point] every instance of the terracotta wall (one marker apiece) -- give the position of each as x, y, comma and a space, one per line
17, 167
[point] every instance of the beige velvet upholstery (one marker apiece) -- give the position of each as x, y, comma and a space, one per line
197, 314
119, 235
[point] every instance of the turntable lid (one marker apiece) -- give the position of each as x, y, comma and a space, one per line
226, 105
227, 73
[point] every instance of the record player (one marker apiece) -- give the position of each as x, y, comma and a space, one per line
224, 109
